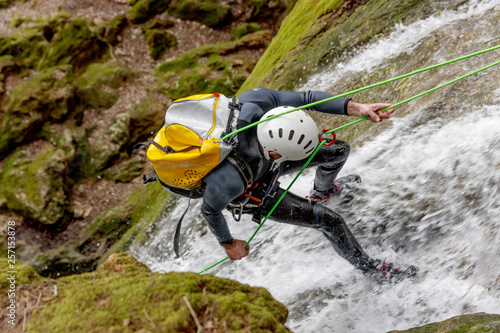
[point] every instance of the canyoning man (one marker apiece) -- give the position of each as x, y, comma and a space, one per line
279, 147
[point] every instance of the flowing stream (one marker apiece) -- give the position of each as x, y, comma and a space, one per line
430, 194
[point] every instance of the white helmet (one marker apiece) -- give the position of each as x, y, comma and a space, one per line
294, 135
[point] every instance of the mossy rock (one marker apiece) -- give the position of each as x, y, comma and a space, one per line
57, 40
24, 275
145, 118
34, 187
477, 322
113, 230
6, 3
98, 86
110, 31
143, 10
45, 97
245, 29
208, 12
106, 148
76, 43
316, 32
209, 68
125, 171
159, 42
125, 296
158, 24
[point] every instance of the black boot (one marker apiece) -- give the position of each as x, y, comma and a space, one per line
340, 185
387, 273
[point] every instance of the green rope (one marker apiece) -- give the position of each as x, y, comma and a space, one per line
364, 88
344, 126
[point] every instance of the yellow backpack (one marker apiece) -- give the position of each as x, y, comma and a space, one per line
188, 146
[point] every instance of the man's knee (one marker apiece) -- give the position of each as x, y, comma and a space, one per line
338, 151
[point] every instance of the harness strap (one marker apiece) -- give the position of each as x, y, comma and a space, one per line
242, 166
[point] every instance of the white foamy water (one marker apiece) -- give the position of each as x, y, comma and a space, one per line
430, 197
402, 40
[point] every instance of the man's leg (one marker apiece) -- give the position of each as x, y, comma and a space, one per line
301, 212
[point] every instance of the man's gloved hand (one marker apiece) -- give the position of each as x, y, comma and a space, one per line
369, 110
237, 249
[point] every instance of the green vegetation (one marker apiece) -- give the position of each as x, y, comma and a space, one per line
188, 73
48, 96
97, 76
245, 29
33, 186
301, 19
211, 13
124, 296
159, 42
143, 10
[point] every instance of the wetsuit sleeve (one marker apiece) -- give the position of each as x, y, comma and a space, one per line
223, 185
290, 98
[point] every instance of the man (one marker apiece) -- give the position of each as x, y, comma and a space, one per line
264, 153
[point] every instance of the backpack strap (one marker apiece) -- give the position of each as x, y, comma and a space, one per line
177, 234
242, 166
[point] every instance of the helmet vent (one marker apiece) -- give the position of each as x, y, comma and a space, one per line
301, 139
290, 136
280, 132
271, 134
308, 144
310, 151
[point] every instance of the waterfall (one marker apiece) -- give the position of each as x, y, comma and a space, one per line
430, 194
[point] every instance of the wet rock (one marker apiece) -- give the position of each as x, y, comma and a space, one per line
477, 322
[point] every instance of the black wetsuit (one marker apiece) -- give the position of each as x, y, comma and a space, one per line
224, 185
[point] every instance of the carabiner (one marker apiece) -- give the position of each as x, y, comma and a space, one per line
320, 136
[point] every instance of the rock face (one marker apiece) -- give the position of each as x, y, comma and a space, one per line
123, 295
477, 322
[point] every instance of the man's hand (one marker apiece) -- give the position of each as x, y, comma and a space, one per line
369, 110
237, 250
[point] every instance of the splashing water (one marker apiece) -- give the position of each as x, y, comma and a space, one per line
430, 197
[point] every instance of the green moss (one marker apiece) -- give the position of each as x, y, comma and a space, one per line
477, 322
143, 10
209, 68
297, 24
6, 3
33, 187
147, 206
90, 84
159, 42
211, 13
23, 275
126, 171
124, 296
45, 97
110, 30
74, 44
245, 29
159, 24
317, 32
